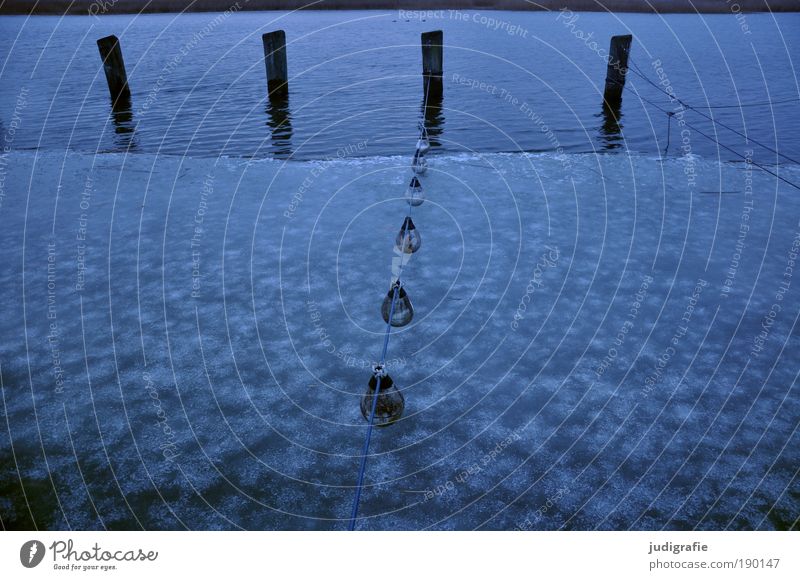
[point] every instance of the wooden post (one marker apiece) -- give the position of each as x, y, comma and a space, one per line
275, 59
432, 58
114, 66
617, 69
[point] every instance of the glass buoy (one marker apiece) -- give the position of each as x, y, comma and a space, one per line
414, 195
419, 164
390, 403
403, 310
408, 238
423, 145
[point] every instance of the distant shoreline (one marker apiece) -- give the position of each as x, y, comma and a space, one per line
101, 7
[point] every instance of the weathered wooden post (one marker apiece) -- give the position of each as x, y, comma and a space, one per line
275, 59
114, 66
617, 69
432, 58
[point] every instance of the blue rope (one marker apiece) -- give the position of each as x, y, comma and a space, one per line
363, 467
367, 439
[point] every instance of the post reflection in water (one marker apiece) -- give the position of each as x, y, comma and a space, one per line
124, 125
279, 120
433, 114
611, 127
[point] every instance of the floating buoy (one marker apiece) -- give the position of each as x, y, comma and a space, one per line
419, 164
414, 195
403, 310
390, 403
423, 145
408, 239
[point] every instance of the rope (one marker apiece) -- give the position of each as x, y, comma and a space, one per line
720, 123
761, 167
637, 71
380, 367
759, 104
669, 127
363, 467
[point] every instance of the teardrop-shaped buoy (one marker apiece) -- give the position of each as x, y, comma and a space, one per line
423, 145
419, 165
403, 311
390, 404
408, 238
414, 195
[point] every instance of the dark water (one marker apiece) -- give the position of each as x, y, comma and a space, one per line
198, 83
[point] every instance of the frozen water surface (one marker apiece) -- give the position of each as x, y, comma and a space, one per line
599, 342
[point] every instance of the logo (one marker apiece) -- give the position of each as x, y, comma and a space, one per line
31, 553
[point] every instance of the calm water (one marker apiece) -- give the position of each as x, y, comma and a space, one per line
199, 84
